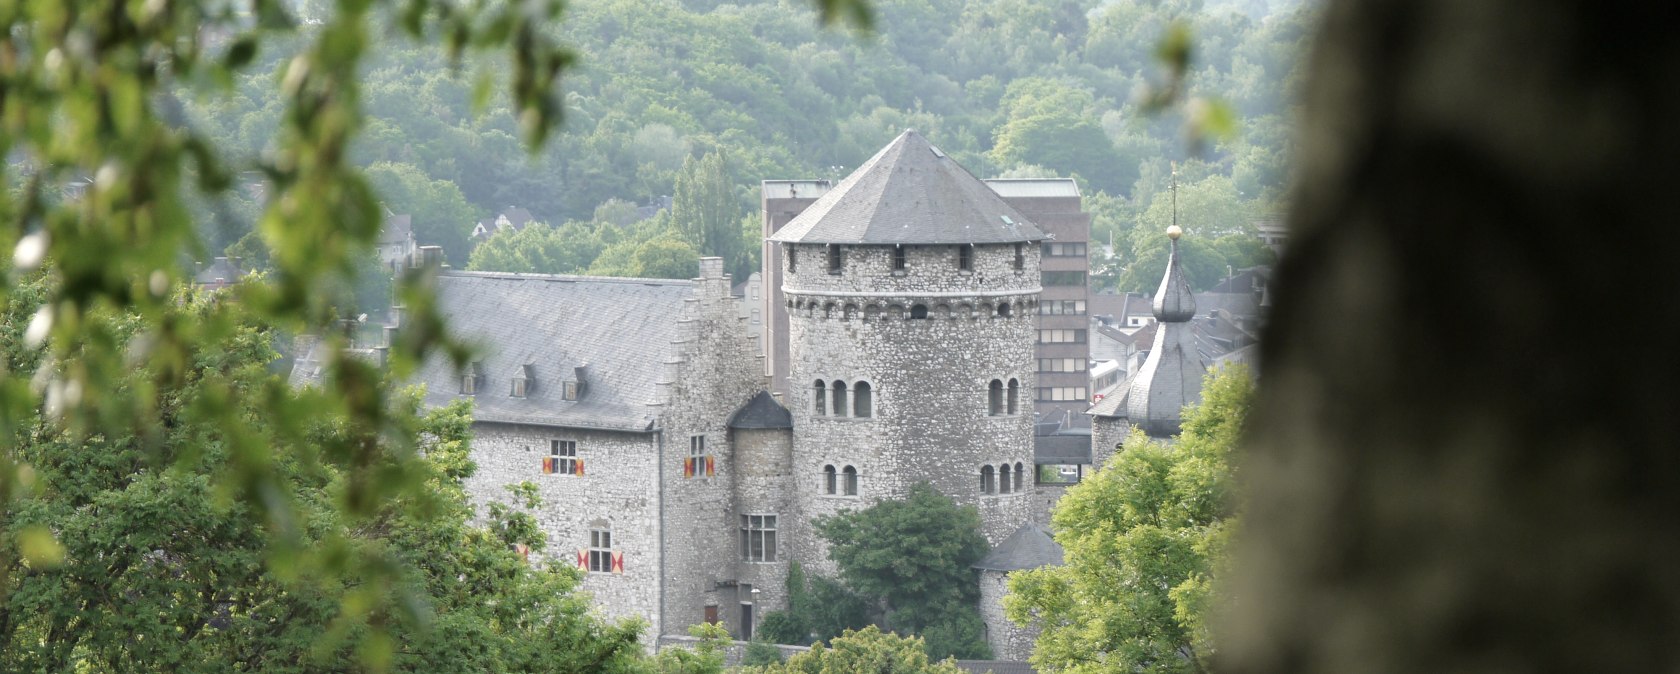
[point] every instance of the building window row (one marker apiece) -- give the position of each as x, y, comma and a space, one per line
1069, 249
1003, 479
918, 311
1002, 399
1063, 278
758, 538
1061, 308
1060, 393
900, 257
842, 482
1061, 336
840, 400
1063, 365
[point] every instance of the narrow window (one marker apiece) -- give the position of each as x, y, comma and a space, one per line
1020, 476
569, 391
898, 261
986, 485
699, 463
1014, 395
470, 379
829, 482
518, 387
994, 398
833, 258
600, 549
851, 475
839, 398
793, 260
965, 257
1003, 479
1004, 310
863, 400
758, 538
918, 311
1020, 257
820, 390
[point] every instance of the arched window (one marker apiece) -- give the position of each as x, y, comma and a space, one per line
1020, 476
863, 400
994, 399
1003, 479
820, 390
1003, 310
1014, 395
918, 311
986, 476
839, 398
829, 481
851, 480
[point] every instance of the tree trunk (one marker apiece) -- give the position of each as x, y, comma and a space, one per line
1466, 456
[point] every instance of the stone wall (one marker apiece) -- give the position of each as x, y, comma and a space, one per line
616, 489
715, 372
1008, 640
763, 485
1107, 433
929, 378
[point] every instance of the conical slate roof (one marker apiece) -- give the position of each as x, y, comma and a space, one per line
910, 193
761, 412
1030, 547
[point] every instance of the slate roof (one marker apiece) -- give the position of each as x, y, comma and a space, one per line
996, 667
619, 329
1033, 188
910, 193
1029, 547
1068, 448
762, 412
397, 229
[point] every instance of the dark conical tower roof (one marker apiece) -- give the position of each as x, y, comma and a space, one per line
910, 193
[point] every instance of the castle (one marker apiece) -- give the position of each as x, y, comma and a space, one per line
672, 475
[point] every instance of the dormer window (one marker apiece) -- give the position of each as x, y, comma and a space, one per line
572, 388
834, 258
471, 378
523, 382
965, 257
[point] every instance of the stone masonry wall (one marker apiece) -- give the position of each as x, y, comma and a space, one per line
617, 488
1008, 640
1107, 433
929, 376
716, 372
763, 485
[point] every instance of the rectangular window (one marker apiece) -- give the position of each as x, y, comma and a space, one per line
1020, 256
698, 463
898, 258
600, 550
1061, 336
1072, 249
569, 391
758, 538
519, 387
965, 257
562, 458
792, 259
1060, 393
1061, 308
833, 258
1059, 474
1062, 365
1063, 278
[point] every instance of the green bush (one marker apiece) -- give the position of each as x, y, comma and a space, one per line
761, 653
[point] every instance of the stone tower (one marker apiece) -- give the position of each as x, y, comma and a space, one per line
912, 289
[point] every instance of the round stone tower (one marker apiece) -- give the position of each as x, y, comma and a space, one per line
911, 289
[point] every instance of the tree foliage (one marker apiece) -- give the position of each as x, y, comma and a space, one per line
916, 557
866, 651
1144, 540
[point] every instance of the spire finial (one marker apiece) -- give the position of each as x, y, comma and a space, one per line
1174, 232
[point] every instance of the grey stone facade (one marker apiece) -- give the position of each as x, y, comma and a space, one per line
1008, 640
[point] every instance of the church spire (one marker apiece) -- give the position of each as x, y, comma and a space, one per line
1174, 303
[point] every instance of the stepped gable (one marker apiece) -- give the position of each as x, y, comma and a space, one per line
1030, 547
910, 193
618, 330
762, 412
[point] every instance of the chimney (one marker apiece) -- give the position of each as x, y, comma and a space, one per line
711, 267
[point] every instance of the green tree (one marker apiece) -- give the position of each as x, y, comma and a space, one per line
706, 210
159, 571
538, 249
665, 258
916, 556
866, 651
441, 214
819, 609
1144, 539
